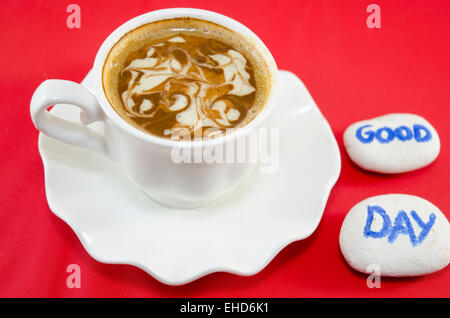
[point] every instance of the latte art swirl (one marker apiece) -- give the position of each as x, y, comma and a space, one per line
197, 88
186, 82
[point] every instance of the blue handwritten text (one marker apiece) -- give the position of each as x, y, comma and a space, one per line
385, 135
401, 225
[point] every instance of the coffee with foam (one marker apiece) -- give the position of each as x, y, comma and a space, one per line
185, 76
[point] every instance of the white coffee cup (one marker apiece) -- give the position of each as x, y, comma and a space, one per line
145, 158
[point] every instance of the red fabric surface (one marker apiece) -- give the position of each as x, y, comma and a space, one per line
352, 72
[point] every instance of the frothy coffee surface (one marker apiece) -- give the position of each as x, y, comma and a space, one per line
185, 76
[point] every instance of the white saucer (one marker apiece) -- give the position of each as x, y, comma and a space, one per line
117, 223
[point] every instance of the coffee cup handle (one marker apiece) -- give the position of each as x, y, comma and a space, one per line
52, 92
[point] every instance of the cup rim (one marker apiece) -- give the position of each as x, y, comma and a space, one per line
200, 14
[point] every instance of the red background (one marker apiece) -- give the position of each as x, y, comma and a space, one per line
352, 72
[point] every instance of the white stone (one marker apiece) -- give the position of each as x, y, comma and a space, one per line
393, 143
386, 245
